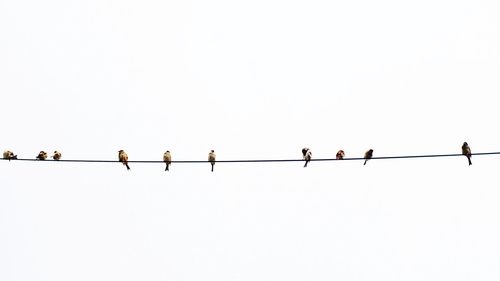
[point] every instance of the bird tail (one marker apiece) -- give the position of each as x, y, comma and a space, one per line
126, 164
166, 168
365, 161
305, 165
213, 167
470, 162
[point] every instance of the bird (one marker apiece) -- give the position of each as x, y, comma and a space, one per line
167, 158
340, 155
467, 152
42, 155
57, 155
211, 158
368, 155
7, 154
123, 157
307, 154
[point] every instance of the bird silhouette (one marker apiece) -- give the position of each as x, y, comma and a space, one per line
467, 152
307, 155
340, 155
42, 155
368, 155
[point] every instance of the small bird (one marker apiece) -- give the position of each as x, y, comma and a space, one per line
123, 157
167, 158
368, 155
42, 155
340, 155
307, 154
57, 155
7, 154
211, 158
467, 152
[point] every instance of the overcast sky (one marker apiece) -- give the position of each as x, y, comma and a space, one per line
251, 80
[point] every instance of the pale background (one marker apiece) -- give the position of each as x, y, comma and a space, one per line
252, 80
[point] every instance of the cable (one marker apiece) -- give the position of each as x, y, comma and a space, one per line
255, 160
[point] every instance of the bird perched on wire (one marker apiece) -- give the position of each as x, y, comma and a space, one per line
340, 155
368, 155
167, 158
7, 154
123, 157
42, 155
467, 152
211, 158
57, 155
307, 155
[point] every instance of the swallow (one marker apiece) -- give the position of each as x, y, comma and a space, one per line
7, 154
467, 152
167, 158
368, 155
211, 158
123, 157
340, 155
42, 155
57, 155
307, 155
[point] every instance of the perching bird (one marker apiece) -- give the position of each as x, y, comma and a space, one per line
467, 152
368, 155
211, 158
57, 155
167, 158
123, 157
42, 155
340, 155
307, 154
7, 154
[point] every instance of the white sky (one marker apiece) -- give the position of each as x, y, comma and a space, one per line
250, 79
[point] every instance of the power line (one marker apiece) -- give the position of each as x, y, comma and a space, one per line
255, 160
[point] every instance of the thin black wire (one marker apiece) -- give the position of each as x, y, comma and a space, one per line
256, 160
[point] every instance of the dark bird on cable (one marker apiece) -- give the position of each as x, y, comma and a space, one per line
340, 155
307, 155
368, 155
467, 152
42, 155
